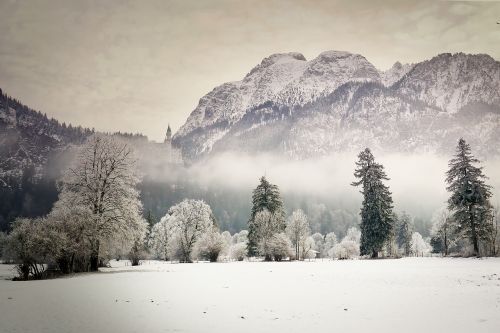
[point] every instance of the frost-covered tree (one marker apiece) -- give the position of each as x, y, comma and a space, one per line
441, 230
228, 239
266, 196
495, 232
298, 231
238, 251
137, 252
266, 225
160, 238
349, 247
138, 249
240, 237
210, 245
103, 180
32, 245
118, 249
419, 247
376, 212
319, 243
404, 233
280, 246
72, 221
346, 249
238, 248
353, 234
190, 218
330, 242
470, 197
308, 249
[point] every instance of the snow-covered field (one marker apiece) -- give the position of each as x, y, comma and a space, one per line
405, 295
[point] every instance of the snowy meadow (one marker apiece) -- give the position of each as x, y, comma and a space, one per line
403, 295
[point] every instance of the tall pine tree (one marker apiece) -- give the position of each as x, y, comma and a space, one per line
376, 211
469, 200
266, 196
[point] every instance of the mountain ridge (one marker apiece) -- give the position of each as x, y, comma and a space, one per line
279, 90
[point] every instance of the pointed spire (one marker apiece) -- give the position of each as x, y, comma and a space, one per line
168, 136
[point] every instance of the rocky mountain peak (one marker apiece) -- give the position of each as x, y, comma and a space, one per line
276, 58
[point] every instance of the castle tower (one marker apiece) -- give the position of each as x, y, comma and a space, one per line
173, 154
168, 137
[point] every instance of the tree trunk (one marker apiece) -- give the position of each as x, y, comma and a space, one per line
476, 245
186, 257
64, 265
374, 254
445, 243
25, 271
94, 257
94, 262
213, 257
473, 233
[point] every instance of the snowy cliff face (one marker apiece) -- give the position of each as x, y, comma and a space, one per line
341, 102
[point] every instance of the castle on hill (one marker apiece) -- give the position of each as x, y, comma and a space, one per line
173, 155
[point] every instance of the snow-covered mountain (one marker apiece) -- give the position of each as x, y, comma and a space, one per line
340, 102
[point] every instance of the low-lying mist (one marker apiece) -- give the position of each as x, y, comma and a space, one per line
417, 181
321, 186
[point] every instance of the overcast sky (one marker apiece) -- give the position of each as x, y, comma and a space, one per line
138, 65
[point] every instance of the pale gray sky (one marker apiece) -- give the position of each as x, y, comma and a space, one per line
138, 65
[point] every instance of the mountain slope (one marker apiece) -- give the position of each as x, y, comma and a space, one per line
28, 137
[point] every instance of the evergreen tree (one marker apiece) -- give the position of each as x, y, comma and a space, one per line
150, 220
437, 244
469, 200
404, 233
376, 211
266, 196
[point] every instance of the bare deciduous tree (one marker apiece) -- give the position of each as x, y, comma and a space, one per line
103, 180
298, 230
442, 227
266, 225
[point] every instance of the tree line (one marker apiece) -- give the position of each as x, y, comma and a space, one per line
99, 217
